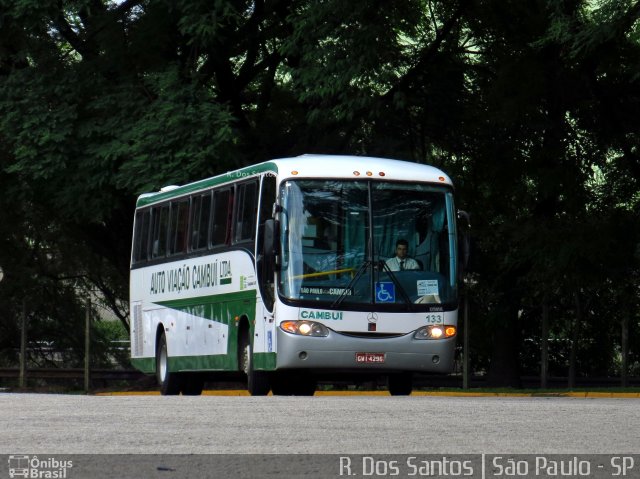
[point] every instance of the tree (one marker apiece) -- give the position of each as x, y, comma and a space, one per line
530, 106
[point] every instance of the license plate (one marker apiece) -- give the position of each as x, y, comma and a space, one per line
369, 357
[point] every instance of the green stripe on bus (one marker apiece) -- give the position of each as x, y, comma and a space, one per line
264, 361
222, 308
217, 362
185, 303
145, 365
230, 177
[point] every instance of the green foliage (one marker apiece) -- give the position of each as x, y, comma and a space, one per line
110, 345
530, 106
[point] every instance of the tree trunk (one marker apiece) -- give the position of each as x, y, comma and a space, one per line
504, 370
544, 350
575, 338
624, 367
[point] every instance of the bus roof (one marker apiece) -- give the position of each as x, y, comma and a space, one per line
313, 166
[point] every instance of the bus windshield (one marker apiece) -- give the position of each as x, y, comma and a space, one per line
339, 240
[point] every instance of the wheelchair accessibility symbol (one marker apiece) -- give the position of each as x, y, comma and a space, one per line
385, 292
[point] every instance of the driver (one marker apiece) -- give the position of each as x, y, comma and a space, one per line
402, 262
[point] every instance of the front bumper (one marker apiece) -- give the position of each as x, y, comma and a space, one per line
338, 352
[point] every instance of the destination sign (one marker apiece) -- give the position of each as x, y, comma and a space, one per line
326, 290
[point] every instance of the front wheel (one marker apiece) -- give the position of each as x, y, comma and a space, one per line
400, 384
257, 381
170, 382
289, 383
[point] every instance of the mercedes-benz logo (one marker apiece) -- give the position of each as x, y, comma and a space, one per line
372, 317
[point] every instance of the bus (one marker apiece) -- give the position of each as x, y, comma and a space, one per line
18, 466
281, 273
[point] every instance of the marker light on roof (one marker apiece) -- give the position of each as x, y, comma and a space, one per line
441, 178
356, 173
381, 173
294, 172
369, 173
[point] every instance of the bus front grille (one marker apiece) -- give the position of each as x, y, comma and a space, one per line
370, 335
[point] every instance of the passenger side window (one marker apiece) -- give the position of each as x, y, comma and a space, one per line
141, 234
246, 210
160, 222
222, 208
200, 220
178, 227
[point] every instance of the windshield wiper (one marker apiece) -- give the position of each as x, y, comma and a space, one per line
353, 281
403, 292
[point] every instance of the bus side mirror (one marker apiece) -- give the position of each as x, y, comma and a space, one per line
269, 240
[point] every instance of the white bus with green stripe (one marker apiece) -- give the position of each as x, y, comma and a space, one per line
281, 272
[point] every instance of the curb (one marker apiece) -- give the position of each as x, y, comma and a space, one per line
583, 394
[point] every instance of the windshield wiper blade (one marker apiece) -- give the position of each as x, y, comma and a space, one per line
355, 278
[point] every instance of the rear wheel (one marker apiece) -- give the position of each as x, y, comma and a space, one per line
400, 384
257, 381
170, 382
192, 384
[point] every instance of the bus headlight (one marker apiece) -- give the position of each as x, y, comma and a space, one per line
435, 331
305, 328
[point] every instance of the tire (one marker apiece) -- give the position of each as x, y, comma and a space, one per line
170, 382
258, 383
192, 384
293, 384
400, 384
